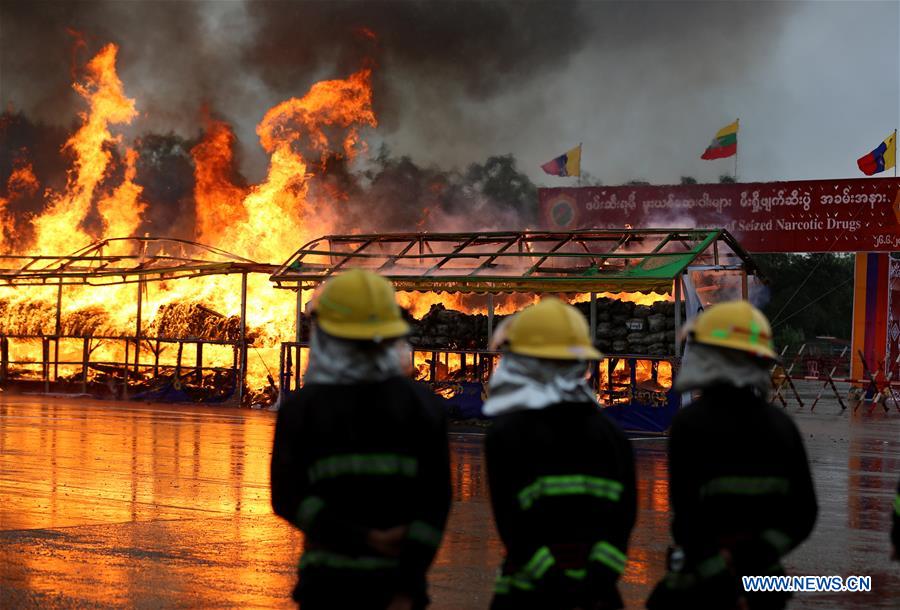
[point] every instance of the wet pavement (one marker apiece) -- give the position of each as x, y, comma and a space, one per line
106, 504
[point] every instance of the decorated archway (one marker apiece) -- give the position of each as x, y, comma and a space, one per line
815, 216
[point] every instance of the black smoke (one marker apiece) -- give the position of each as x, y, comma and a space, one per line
444, 75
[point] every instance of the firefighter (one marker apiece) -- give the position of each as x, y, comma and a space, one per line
561, 473
739, 482
360, 459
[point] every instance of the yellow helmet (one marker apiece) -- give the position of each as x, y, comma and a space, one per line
359, 304
735, 325
550, 329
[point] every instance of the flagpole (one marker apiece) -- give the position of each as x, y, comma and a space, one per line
895, 152
738, 121
581, 152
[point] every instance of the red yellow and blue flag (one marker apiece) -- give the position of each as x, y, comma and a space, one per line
568, 164
883, 157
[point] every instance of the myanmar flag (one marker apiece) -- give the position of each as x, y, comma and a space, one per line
724, 144
568, 164
883, 157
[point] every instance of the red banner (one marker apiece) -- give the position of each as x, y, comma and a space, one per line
802, 216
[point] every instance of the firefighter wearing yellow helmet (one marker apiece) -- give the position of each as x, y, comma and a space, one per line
739, 481
561, 473
360, 458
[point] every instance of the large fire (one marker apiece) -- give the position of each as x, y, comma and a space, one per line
263, 222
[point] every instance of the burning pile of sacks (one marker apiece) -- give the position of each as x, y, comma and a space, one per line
622, 328
629, 328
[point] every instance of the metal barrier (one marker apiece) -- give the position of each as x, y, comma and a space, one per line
876, 387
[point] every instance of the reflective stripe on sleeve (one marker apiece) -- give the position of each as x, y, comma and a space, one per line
425, 533
576, 574
501, 585
308, 510
345, 562
711, 566
380, 464
609, 555
778, 539
570, 485
527, 578
539, 563
746, 486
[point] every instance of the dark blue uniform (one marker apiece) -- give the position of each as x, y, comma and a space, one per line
739, 483
564, 500
348, 459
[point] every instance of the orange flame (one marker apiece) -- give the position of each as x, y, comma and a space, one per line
418, 304
22, 183
121, 210
277, 215
59, 227
218, 202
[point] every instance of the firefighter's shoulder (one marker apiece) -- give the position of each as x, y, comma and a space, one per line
421, 395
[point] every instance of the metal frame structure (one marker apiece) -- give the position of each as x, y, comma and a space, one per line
100, 263
597, 260
573, 262
125, 260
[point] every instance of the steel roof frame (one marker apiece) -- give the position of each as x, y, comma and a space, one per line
551, 262
92, 267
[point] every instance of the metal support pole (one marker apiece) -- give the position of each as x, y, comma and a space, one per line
45, 363
57, 332
198, 366
85, 363
299, 320
282, 376
4, 359
678, 291
178, 362
137, 330
243, 339
298, 338
745, 288
125, 373
490, 318
235, 370
297, 367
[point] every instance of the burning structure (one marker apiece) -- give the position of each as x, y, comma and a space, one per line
450, 349
101, 202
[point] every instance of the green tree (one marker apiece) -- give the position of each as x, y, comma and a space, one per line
500, 179
810, 295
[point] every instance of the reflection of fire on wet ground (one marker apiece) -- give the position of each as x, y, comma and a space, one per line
142, 472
